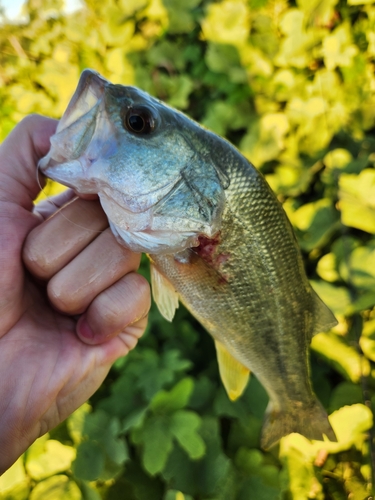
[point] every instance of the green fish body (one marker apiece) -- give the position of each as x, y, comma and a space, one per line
218, 239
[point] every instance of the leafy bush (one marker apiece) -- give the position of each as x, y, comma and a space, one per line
293, 86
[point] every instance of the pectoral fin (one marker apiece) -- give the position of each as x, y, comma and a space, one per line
324, 319
234, 375
164, 294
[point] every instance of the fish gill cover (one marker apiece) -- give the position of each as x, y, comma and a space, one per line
292, 85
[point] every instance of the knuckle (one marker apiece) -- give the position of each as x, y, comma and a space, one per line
141, 285
29, 120
34, 260
125, 303
62, 297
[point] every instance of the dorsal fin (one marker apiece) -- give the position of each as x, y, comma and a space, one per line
233, 374
164, 294
323, 319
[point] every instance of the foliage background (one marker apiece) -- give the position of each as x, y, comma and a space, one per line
292, 85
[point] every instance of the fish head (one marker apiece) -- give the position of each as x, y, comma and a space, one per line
144, 160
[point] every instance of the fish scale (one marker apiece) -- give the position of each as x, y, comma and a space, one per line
217, 237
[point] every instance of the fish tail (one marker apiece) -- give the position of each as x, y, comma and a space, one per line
310, 420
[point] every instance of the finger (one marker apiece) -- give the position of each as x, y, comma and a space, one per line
19, 154
18, 188
51, 245
119, 310
96, 268
50, 205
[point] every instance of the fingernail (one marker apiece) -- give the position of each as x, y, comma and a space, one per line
84, 329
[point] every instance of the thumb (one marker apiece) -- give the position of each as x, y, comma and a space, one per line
19, 155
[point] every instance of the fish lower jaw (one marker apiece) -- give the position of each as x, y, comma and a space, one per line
69, 174
154, 242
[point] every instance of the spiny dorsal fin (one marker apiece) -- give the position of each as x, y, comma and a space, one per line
323, 319
234, 374
164, 294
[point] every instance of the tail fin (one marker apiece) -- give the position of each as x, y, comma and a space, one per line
309, 420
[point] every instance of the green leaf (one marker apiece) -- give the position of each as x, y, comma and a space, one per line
344, 358
90, 461
296, 454
166, 54
265, 138
153, 372
165, 402
88, 492
367, 340
131, 7
223, 116
157, 442
176, 495
104, 429
134, 419
253, 463
327, 267
357, 195
350, 423
184, 426
316, 221
358, 268
222, 58
337, 158
254, 487
245, 433
226, 22
55, 457
179, 88
76, 422
145, 487
205, 476
58, 487
203, 393
295, 48
344, 394
290, 180
14, 483
338, 49
337, 298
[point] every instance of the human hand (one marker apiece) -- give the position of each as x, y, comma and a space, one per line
78, 308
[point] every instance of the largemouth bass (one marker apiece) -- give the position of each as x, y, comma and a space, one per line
217, 237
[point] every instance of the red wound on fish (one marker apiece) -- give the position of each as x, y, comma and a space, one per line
208, 251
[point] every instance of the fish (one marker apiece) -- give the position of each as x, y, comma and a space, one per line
218, 240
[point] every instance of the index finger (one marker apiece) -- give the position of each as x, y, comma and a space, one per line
55, 242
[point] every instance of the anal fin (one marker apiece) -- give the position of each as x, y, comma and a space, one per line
234, 374
164, 294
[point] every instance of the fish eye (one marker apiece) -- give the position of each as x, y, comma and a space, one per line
139, 121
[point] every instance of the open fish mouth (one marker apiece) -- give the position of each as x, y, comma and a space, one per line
84, 145
69, 158
88, 94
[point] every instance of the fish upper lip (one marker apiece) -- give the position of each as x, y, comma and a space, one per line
90, 82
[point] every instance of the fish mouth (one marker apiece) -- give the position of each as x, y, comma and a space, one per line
65, 161
88, 94
74, 174
83, 145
